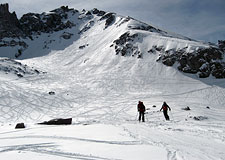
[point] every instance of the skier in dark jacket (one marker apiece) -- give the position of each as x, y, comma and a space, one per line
141, 110
165, 107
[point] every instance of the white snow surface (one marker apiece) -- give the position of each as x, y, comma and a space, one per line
100, 91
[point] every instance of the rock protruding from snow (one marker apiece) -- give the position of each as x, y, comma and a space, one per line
221, 44
110, 19
203, 61
98, 12
58, 121
51, 93
56, 20
200, 118
124, 45
31, 23
20, 126
9, 66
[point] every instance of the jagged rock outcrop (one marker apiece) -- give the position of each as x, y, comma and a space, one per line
221, 45
9, 66
9, 24
110, 19
98, 12
31, 23
55, 21
203, 61
87, 27
124, 45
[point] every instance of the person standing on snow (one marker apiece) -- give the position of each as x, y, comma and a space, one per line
141, 110
165, 107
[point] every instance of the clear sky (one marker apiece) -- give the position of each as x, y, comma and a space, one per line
197, 19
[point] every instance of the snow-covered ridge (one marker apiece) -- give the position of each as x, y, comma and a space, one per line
39, 34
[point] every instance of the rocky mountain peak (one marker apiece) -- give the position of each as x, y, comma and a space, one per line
135, 39
4, 8
9, 24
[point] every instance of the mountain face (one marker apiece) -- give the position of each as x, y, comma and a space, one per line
35, 35
9, 24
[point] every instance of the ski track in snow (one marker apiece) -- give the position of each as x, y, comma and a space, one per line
49, 149
34, 104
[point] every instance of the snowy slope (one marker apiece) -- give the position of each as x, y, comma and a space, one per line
100, 91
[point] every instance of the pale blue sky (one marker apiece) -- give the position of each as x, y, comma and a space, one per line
197, 19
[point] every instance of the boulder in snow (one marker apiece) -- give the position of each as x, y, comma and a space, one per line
51, 93
20, 125
58, 121
186, 108
200, 118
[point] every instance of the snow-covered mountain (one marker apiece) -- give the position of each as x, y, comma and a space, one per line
99, 65
38, 34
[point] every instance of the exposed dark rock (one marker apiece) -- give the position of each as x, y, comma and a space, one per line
204, 70
126, 37
95, 11
110, 19
20, 126
106, 16
51, 93
200, 118
11, 66
124, 45
144, 27
59, 121
218, 69
204, 61
221, 45
62, 9
127, 19
88, 13
19, 75
186, 108
83, 46
19, 53
33, 23
54, 21
98, 12
101, 13
9, 24
204, 74
159, 48
169, 61
87, 27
